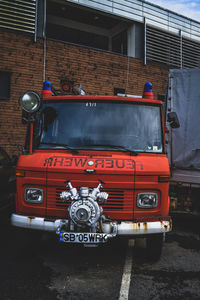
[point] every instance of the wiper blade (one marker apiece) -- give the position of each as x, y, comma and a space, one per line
60, 145
119, 147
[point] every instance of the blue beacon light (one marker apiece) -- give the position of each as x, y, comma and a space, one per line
46, 89
148, 94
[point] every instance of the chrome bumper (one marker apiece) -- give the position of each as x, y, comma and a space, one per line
122, 228
34, 223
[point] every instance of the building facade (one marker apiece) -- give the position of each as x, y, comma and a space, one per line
106, 46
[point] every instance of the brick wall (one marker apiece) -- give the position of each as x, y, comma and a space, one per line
23, 58
99, 72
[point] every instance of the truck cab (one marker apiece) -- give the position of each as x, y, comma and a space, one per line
94, 168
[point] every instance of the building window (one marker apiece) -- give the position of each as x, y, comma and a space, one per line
78, 25
4, 85
119, 43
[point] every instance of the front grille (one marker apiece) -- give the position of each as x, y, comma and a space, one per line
118, 200
115, 200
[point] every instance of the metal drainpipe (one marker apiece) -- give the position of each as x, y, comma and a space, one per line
45, 41
36, 19
181, 49
145, 42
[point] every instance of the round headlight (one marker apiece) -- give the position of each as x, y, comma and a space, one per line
30, 101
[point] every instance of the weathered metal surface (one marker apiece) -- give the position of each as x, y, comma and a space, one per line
34, 223
123, 228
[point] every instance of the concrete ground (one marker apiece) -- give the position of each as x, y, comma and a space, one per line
35, 267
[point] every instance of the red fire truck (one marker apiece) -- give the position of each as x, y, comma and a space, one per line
94, 168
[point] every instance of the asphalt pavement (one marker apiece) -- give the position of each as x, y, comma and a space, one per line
34, 266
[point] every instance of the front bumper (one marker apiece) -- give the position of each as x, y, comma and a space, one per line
125, 228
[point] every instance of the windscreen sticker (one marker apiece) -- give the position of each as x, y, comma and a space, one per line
58, 161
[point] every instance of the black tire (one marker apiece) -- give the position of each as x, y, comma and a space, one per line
154, 245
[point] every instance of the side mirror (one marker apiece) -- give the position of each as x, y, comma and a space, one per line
172, 118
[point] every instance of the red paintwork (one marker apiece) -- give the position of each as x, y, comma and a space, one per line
46, 93
148, 95
122, 172
101, 98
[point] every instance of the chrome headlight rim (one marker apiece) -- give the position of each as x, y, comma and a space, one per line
33, 96
36, 190
147, 206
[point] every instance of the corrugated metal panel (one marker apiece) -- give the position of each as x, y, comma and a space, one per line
18, 15
156, 16
172, 50
191, 54
163, 47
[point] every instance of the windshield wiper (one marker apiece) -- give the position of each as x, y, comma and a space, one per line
117, 147
60, 145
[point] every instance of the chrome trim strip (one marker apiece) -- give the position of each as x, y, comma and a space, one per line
122, 229
34, 223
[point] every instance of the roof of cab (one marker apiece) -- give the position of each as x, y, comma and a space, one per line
100, 98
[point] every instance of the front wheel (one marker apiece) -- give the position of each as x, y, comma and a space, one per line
154, 245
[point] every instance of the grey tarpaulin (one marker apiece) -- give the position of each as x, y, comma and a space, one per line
184, 99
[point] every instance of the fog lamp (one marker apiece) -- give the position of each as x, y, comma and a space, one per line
33, 195
147, 200
30, 101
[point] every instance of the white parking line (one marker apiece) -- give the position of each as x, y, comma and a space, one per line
126, 277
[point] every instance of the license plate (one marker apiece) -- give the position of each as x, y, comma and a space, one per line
83, 237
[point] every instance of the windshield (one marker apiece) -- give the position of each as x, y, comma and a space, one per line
100, 126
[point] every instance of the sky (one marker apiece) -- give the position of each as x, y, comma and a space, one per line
190, 9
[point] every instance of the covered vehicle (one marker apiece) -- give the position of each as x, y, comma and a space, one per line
184, 143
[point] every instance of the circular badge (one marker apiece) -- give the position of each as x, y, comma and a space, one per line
90, 163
